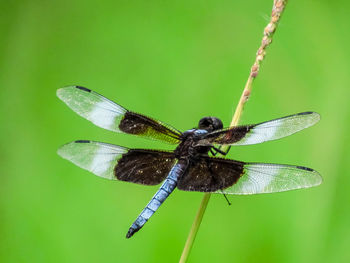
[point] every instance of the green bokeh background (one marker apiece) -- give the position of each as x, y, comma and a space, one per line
176, 61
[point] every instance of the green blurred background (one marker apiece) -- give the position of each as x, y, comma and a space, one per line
176, 61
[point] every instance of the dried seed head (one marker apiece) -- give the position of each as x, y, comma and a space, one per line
246, 93
270, 28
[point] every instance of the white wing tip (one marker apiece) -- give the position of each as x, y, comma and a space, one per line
318, 179
63, 91
60, 92
65, 151
314, 116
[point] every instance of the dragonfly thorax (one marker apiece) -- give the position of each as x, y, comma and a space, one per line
188, 148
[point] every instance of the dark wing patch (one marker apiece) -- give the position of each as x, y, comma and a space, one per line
137, 124
226, 136
210, 175
144, 166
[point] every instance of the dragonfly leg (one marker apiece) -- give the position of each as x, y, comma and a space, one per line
228, 201
218, 150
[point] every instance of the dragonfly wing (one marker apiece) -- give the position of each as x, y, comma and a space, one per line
234, 177
111, 116
114, 162
262, 132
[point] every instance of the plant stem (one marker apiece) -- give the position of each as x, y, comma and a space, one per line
194, 228
277, 10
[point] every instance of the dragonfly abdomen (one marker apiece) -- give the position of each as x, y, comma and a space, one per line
164, 191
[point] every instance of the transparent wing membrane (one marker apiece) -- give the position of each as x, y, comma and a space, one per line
258, 178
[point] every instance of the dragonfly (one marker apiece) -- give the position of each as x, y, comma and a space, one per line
193, 165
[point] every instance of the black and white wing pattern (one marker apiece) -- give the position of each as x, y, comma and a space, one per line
234, 177
262, 132
114, 162
111, 116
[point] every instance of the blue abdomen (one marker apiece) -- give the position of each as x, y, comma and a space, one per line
164, 191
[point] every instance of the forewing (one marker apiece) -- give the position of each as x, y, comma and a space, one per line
111, 116
210, 174
118, 163
259, 178
265, 131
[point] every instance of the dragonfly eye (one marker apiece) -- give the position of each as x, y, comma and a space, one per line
210, 124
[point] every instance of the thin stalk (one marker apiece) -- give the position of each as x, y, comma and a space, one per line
194, 228
270, 29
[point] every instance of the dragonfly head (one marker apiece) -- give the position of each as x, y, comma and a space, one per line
210, 124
